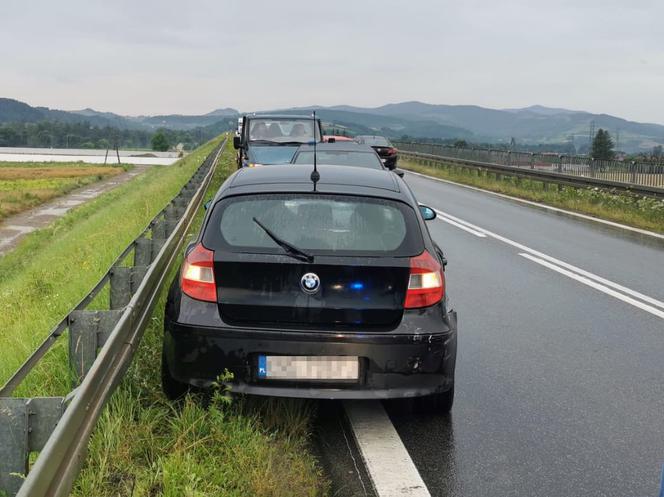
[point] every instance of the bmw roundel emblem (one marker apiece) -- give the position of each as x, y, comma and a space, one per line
310, 283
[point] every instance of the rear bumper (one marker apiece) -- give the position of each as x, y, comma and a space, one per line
391, 365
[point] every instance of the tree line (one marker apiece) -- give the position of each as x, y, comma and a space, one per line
53, 134
601, 148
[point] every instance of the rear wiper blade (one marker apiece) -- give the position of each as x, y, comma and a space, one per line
291, 250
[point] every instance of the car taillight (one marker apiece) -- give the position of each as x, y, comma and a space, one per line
391, 151
426, 285
197, 278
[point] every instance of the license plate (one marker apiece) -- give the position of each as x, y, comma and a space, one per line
308, 367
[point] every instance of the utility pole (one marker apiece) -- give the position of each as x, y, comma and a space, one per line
591, 135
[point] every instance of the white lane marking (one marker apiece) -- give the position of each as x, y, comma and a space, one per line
564, 264
391, 469
544, 206
447, 220
596, 286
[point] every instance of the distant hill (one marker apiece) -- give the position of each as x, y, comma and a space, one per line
363, 122
19, 112
223, 112
545, 111
535, 124
177, 121
529, 125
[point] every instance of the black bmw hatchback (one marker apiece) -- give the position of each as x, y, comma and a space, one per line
330, 289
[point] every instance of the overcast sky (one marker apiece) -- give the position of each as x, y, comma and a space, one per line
166, 56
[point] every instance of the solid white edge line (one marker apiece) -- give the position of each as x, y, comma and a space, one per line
583, 272
447, 220
388, 463
596, 286
544, 206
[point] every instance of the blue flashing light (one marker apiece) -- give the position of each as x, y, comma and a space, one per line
358, 285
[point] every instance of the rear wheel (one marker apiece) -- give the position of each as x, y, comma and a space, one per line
173, 389
438, 403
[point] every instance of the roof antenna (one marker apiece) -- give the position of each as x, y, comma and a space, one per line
315, 176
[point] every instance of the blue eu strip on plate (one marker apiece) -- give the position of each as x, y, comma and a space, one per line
262, 366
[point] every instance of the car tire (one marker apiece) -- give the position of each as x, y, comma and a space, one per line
172, 388
438, 403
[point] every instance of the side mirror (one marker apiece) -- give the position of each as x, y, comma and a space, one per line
399, 172
427, 213
237, 142
206, 205
331, 139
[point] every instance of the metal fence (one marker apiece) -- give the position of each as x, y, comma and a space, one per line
626, 172
101, 344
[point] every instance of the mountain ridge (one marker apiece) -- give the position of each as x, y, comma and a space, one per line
532, 124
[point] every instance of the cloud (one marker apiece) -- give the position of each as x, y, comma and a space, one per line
167, 56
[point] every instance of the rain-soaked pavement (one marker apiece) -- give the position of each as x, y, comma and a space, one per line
560, 376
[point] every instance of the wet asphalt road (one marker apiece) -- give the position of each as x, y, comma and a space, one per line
560, 387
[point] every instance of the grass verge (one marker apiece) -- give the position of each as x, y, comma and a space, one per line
632, 210
145, 446
27, 184
53, 268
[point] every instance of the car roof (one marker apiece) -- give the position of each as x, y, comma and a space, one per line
338, 146
297, 178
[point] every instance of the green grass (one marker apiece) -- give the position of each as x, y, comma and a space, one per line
146, 446
27, 184
633, 210
53, 268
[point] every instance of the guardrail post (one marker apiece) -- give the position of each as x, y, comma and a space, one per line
25, 425
171, 218
560, 163
123, 282
591, 166
157, 243
159, 230
88, 331
532, 160
143, 251
632, 172
120, 287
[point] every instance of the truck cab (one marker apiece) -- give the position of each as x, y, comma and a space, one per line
273, 139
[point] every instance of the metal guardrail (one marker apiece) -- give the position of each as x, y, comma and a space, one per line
101, 346
640, 178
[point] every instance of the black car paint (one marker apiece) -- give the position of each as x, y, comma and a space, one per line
413, 356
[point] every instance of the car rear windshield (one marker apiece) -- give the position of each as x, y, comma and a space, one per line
375, 141
319, 224
341, 158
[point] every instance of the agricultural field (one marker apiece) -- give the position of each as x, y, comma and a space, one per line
27, 184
